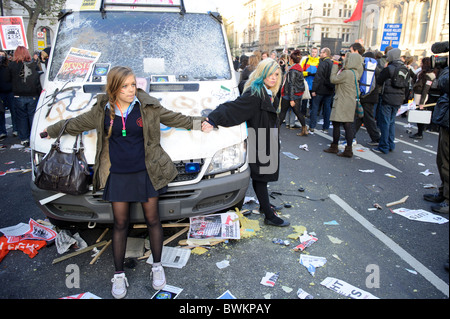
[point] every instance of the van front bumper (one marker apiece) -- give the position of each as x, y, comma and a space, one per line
207, 196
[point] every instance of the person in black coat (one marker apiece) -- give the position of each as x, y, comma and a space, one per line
322, 90
26, 88
257, 106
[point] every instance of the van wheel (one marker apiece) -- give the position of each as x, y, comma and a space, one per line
239, 205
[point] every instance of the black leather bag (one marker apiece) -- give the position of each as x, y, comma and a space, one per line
64, 172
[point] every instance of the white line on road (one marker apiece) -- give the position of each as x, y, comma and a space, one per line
413, 262
416, 146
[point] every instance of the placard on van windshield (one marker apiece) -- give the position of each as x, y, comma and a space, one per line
77, 65
95, 4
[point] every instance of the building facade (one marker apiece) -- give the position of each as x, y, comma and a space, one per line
279, 25
45, 29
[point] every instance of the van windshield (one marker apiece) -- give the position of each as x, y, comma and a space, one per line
189, 47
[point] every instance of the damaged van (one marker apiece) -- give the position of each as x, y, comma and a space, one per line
179, 53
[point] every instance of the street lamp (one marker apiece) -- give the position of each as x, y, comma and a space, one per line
310, 9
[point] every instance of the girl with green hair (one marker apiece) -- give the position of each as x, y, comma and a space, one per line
258, 107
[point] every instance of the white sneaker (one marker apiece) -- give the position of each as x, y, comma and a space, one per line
159, 277
120, 284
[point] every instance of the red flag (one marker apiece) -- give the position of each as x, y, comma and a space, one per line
357, 13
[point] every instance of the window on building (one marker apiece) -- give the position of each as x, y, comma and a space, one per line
423, 22
325, 32
347, 11
345, 34
327, 9
398, 15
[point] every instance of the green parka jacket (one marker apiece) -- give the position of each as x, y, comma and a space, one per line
160, 167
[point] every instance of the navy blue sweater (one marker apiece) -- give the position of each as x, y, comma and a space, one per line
127, 154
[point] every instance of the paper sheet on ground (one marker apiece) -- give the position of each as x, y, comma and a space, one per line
173, 257
312, 262
420, 215
343, 288
225, 226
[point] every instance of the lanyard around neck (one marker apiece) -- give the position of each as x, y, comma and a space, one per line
124, 131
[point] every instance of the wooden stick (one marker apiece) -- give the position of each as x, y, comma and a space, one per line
102, 235
401, 201
163, 225
101, 251
78, 252
168, 240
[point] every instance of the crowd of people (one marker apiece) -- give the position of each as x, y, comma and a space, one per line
332, 84
20, 88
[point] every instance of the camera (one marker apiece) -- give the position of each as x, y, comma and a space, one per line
439, 62
343, 52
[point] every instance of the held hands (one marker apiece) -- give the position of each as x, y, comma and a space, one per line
206, 127
44, 134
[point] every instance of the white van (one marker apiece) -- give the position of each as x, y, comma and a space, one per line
179, 53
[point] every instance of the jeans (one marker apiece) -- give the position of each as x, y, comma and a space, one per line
8, 100
315, 104
25, 108
386, 121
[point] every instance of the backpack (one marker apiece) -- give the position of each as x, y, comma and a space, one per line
367, 83
400, 77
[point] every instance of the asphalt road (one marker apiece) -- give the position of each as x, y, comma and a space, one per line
379, 252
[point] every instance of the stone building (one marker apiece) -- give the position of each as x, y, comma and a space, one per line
254, 24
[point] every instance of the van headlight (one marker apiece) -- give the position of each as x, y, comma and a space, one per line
228, 159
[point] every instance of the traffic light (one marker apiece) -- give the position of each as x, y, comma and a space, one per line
307, 32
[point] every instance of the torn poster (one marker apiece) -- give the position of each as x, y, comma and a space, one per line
221, 226
270, 279
420, 215
345, 289
312, 262
35, 231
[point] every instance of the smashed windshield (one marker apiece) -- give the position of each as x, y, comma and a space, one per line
189, 47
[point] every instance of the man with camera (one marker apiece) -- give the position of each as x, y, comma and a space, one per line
440, 117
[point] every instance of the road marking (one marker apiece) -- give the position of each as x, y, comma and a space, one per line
364, 153
416, 146
413, 262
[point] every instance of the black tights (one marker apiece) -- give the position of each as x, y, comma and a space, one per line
262, 194
348, 132
121, 211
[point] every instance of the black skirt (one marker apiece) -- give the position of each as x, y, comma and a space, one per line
130, 187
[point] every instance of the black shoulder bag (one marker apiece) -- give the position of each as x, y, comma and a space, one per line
64, 172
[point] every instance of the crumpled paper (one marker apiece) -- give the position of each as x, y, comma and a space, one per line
65, 240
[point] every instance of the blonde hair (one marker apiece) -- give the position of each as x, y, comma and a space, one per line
253, 62
114, 81
255, 82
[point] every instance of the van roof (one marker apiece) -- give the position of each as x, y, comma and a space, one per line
191, 6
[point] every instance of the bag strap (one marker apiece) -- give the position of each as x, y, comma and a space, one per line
61, 132
356, 85
75, 144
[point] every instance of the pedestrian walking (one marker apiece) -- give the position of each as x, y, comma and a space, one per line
344, 105
130, 164
323, 90
368, 103
292, 91
394, 81
309, 65
257, 106
421, 88
6, 97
